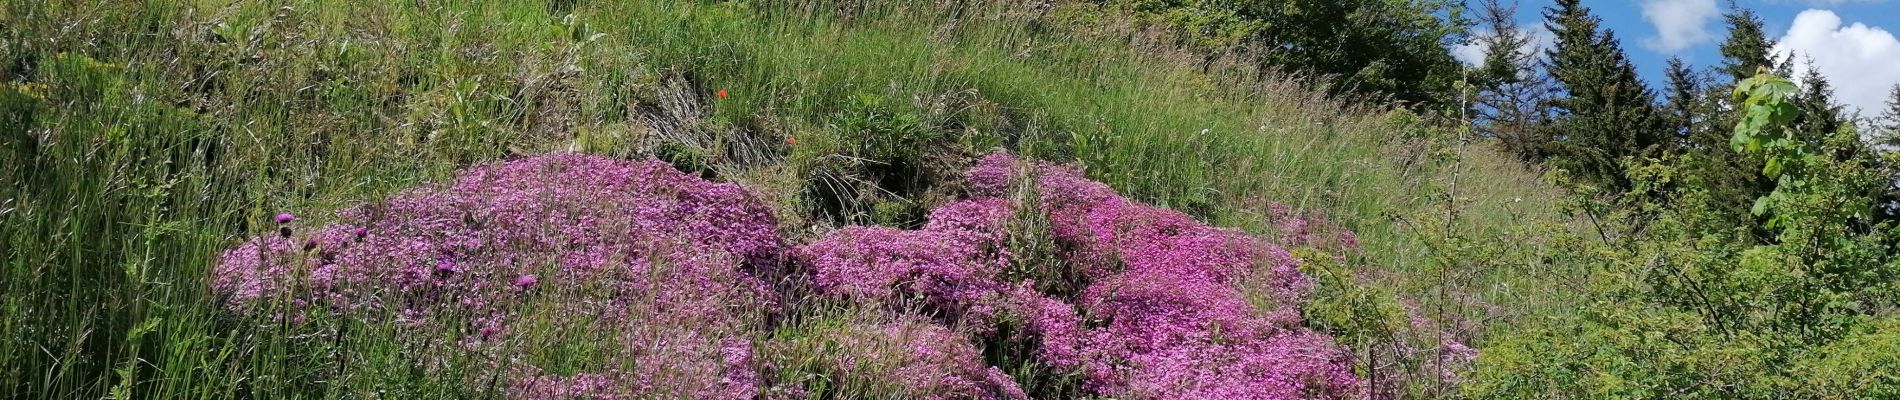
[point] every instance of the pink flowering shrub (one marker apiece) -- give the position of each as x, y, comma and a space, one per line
1162, 315
634, 254
657, 276
952, 266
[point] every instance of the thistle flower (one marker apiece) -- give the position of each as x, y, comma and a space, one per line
526, 281
285, 218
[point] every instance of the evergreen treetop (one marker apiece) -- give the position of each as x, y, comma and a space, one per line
1604, 112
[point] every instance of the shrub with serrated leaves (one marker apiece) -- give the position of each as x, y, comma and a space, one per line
1687, 307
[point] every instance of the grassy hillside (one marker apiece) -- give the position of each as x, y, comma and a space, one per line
144, 138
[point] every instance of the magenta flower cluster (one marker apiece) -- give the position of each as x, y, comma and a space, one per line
669, 266
1163, 314
638, 248
954, 264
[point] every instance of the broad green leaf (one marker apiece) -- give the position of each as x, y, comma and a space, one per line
1773, 88
1783, 112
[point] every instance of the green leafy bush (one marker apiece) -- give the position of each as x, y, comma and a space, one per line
1685, 306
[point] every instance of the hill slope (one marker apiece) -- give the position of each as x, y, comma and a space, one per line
147, 138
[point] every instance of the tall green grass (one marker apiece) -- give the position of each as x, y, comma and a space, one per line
143, 137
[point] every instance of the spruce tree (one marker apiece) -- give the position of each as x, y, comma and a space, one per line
1504, 57
1783, 66
1886, 139
1604, 113
1512, 89
1820, 115
1890, 120
1684, 108
1727, 180
1722, 172
1747, 49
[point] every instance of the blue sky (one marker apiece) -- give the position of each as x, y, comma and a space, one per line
1862, 61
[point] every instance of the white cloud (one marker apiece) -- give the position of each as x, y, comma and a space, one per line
1473, 53
1863, 62
1470, 53
1679, 23
1826, 3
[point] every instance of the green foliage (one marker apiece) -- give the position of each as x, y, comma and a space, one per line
683, 157
1889, 125
1747, 49
1392, 47
1511, 88
1605, 114
1858, 366
1684, 109
1703, 105
1033, 246
897, 212
883, 157
1685, 305
1367, 319
1768, 108
879, 130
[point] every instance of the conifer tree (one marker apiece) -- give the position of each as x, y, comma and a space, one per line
1604, 113
1820, 115
1890, 120
1730, 180
1783, 66
1724, 179
1504, 56
1512, 89
1747, 49
1684, 107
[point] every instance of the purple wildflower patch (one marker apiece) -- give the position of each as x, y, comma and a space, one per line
665, 268
637, 248
1162, 315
